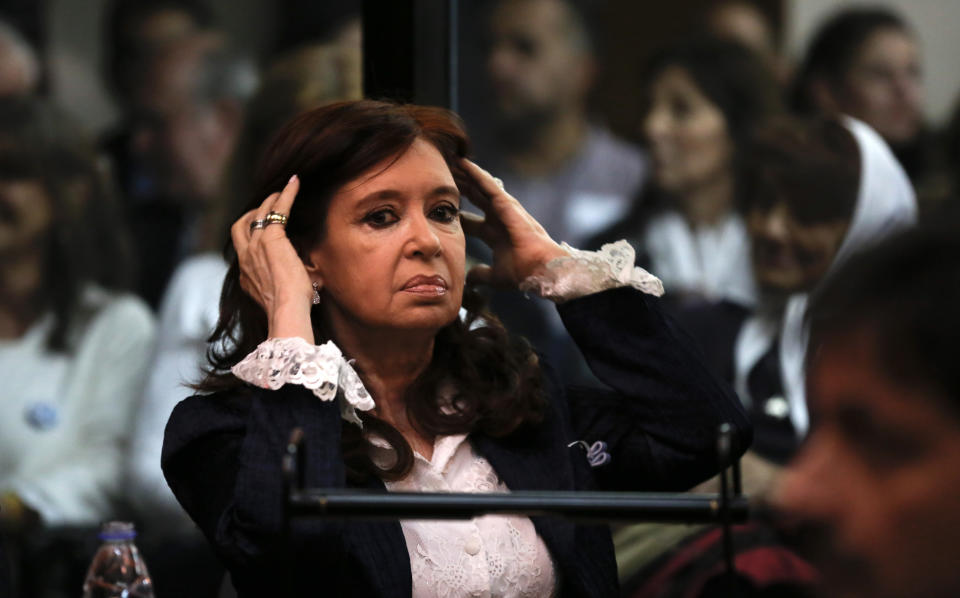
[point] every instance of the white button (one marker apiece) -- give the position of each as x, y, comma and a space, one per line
472, 546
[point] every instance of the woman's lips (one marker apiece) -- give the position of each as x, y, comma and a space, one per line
426, 285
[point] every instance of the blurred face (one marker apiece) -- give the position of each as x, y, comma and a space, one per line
184, 141
884, 87
878, 478
687, 134
535, 64
788, 255
25, 216
744, 23
393, 253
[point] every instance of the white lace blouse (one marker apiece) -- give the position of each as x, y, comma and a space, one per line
490, 556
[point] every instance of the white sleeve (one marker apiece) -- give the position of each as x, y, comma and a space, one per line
188, 315
78, 480
586, 272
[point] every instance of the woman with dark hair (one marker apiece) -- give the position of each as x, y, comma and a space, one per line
703, 99
361, 256
73, 349
865, 62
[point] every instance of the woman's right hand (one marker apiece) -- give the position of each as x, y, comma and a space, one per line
271, 272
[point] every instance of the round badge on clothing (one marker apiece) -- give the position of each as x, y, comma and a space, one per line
777, 407
41, 415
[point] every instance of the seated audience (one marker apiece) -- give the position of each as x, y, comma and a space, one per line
873, 493
73, 348
817, 190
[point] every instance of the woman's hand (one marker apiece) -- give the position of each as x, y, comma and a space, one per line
520, 245
270, 269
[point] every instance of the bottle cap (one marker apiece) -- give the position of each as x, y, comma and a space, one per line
117, 530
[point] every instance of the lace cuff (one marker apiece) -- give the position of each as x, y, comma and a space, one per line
587, 272
321, 368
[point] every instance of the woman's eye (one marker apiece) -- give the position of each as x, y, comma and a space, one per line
444, 213
381, 218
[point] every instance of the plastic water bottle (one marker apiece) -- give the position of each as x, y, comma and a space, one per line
117, 570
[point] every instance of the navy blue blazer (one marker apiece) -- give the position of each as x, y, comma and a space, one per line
659, 417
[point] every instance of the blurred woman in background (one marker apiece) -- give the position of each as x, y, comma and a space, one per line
703, 99
73, 348
865, 62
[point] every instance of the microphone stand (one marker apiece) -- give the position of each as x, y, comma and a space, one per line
725, 508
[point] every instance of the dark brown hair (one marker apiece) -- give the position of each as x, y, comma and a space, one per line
496, 377
913, 324
87, 240
732, 77
811, 164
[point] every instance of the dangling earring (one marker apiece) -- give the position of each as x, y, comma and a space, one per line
316, 293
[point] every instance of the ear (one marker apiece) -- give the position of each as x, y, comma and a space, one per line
314, 270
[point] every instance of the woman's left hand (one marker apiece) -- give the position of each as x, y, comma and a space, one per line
520, 244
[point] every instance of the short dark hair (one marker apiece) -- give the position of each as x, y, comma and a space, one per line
834, 47
811, 164
496, 376
904, 293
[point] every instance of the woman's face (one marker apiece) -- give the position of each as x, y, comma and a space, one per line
790, 256
687, 133
883, 86
25, 216
393, 253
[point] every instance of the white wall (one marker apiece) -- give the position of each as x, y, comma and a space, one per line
936, 23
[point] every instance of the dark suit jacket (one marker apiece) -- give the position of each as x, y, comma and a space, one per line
715, 327
659, 418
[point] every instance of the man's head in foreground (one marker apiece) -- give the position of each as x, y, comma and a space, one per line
877, 485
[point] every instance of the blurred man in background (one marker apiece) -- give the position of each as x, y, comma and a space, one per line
189, 110
876, 489
573, 176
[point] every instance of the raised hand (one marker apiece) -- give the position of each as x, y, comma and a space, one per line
270, 269
520, 244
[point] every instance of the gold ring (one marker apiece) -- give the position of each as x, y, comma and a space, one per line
499, 183
276, 218
257, 224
